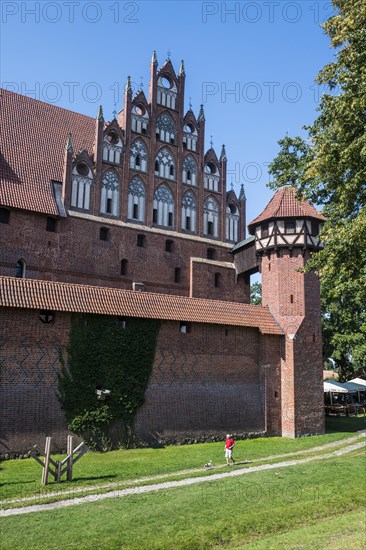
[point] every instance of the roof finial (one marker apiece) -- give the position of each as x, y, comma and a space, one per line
128, 87
242, 192
69, 147
182, 71
115, 111
211, 142
201, 115
231, 184
223, 153
100, 116
169, 53
154, 59
190, 104
141, 87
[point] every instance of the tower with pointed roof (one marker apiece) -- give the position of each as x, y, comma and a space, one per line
285, 234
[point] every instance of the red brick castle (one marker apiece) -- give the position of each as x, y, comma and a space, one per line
132, 218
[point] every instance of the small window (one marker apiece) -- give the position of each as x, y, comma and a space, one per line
109, 206
168, 246
46, 316
314, 229
276, 393
211, 254
177, 275
290, 227
172, 140
4, 215
156, 167
103, 234
51, 224
155, 216
124, 266
138, 160
291, 298
20, 269
121, 322
217, 280
141, 240
184, 327
171, 170
170, 219
157, 135
188, 223
264, 230
135, 212
189, 175
209, 228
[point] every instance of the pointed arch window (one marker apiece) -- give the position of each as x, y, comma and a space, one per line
81, 183
190, 137
232, 222
189, 212
165, 164
189, 171
211, 217
211, 177
138, 156
139, 119
112, 147
109, 200
163, 206
166, 91
136, 200
165, 128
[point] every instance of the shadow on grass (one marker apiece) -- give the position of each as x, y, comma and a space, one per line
335, 424
94, 478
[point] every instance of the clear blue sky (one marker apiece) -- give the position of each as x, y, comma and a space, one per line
77, 55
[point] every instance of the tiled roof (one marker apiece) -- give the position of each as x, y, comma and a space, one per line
33, 138
54, 296
284, 204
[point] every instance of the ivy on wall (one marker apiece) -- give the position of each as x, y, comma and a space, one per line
101, 354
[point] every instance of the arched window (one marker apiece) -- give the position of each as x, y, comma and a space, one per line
165, 164
163, 207
139, 119
136, 200
189, 212
189, 137
112, 147
138, 156
165, 128
166, 91
81, 182
20, 269
211, 177
211, 217
232, 222
189, 171
109, 200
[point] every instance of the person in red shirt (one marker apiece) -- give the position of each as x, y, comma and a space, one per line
229, 445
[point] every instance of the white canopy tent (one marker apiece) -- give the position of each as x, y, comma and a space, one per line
356, 385
332, 387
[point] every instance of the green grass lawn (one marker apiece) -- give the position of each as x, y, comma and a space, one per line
314, 505
21, 478
258, 508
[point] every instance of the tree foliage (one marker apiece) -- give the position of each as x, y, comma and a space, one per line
256, 294
329, 169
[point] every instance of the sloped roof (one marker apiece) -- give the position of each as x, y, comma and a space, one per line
284, 204
35, 294
32, 144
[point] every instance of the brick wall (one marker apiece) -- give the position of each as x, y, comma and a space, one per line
76, 254
208, 380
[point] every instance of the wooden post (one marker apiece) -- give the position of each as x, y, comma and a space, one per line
70, 457
46, 461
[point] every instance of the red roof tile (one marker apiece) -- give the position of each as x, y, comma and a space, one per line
34, 294
32, 144
284, 204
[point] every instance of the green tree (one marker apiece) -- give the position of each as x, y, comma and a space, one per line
329, 169
256, 294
